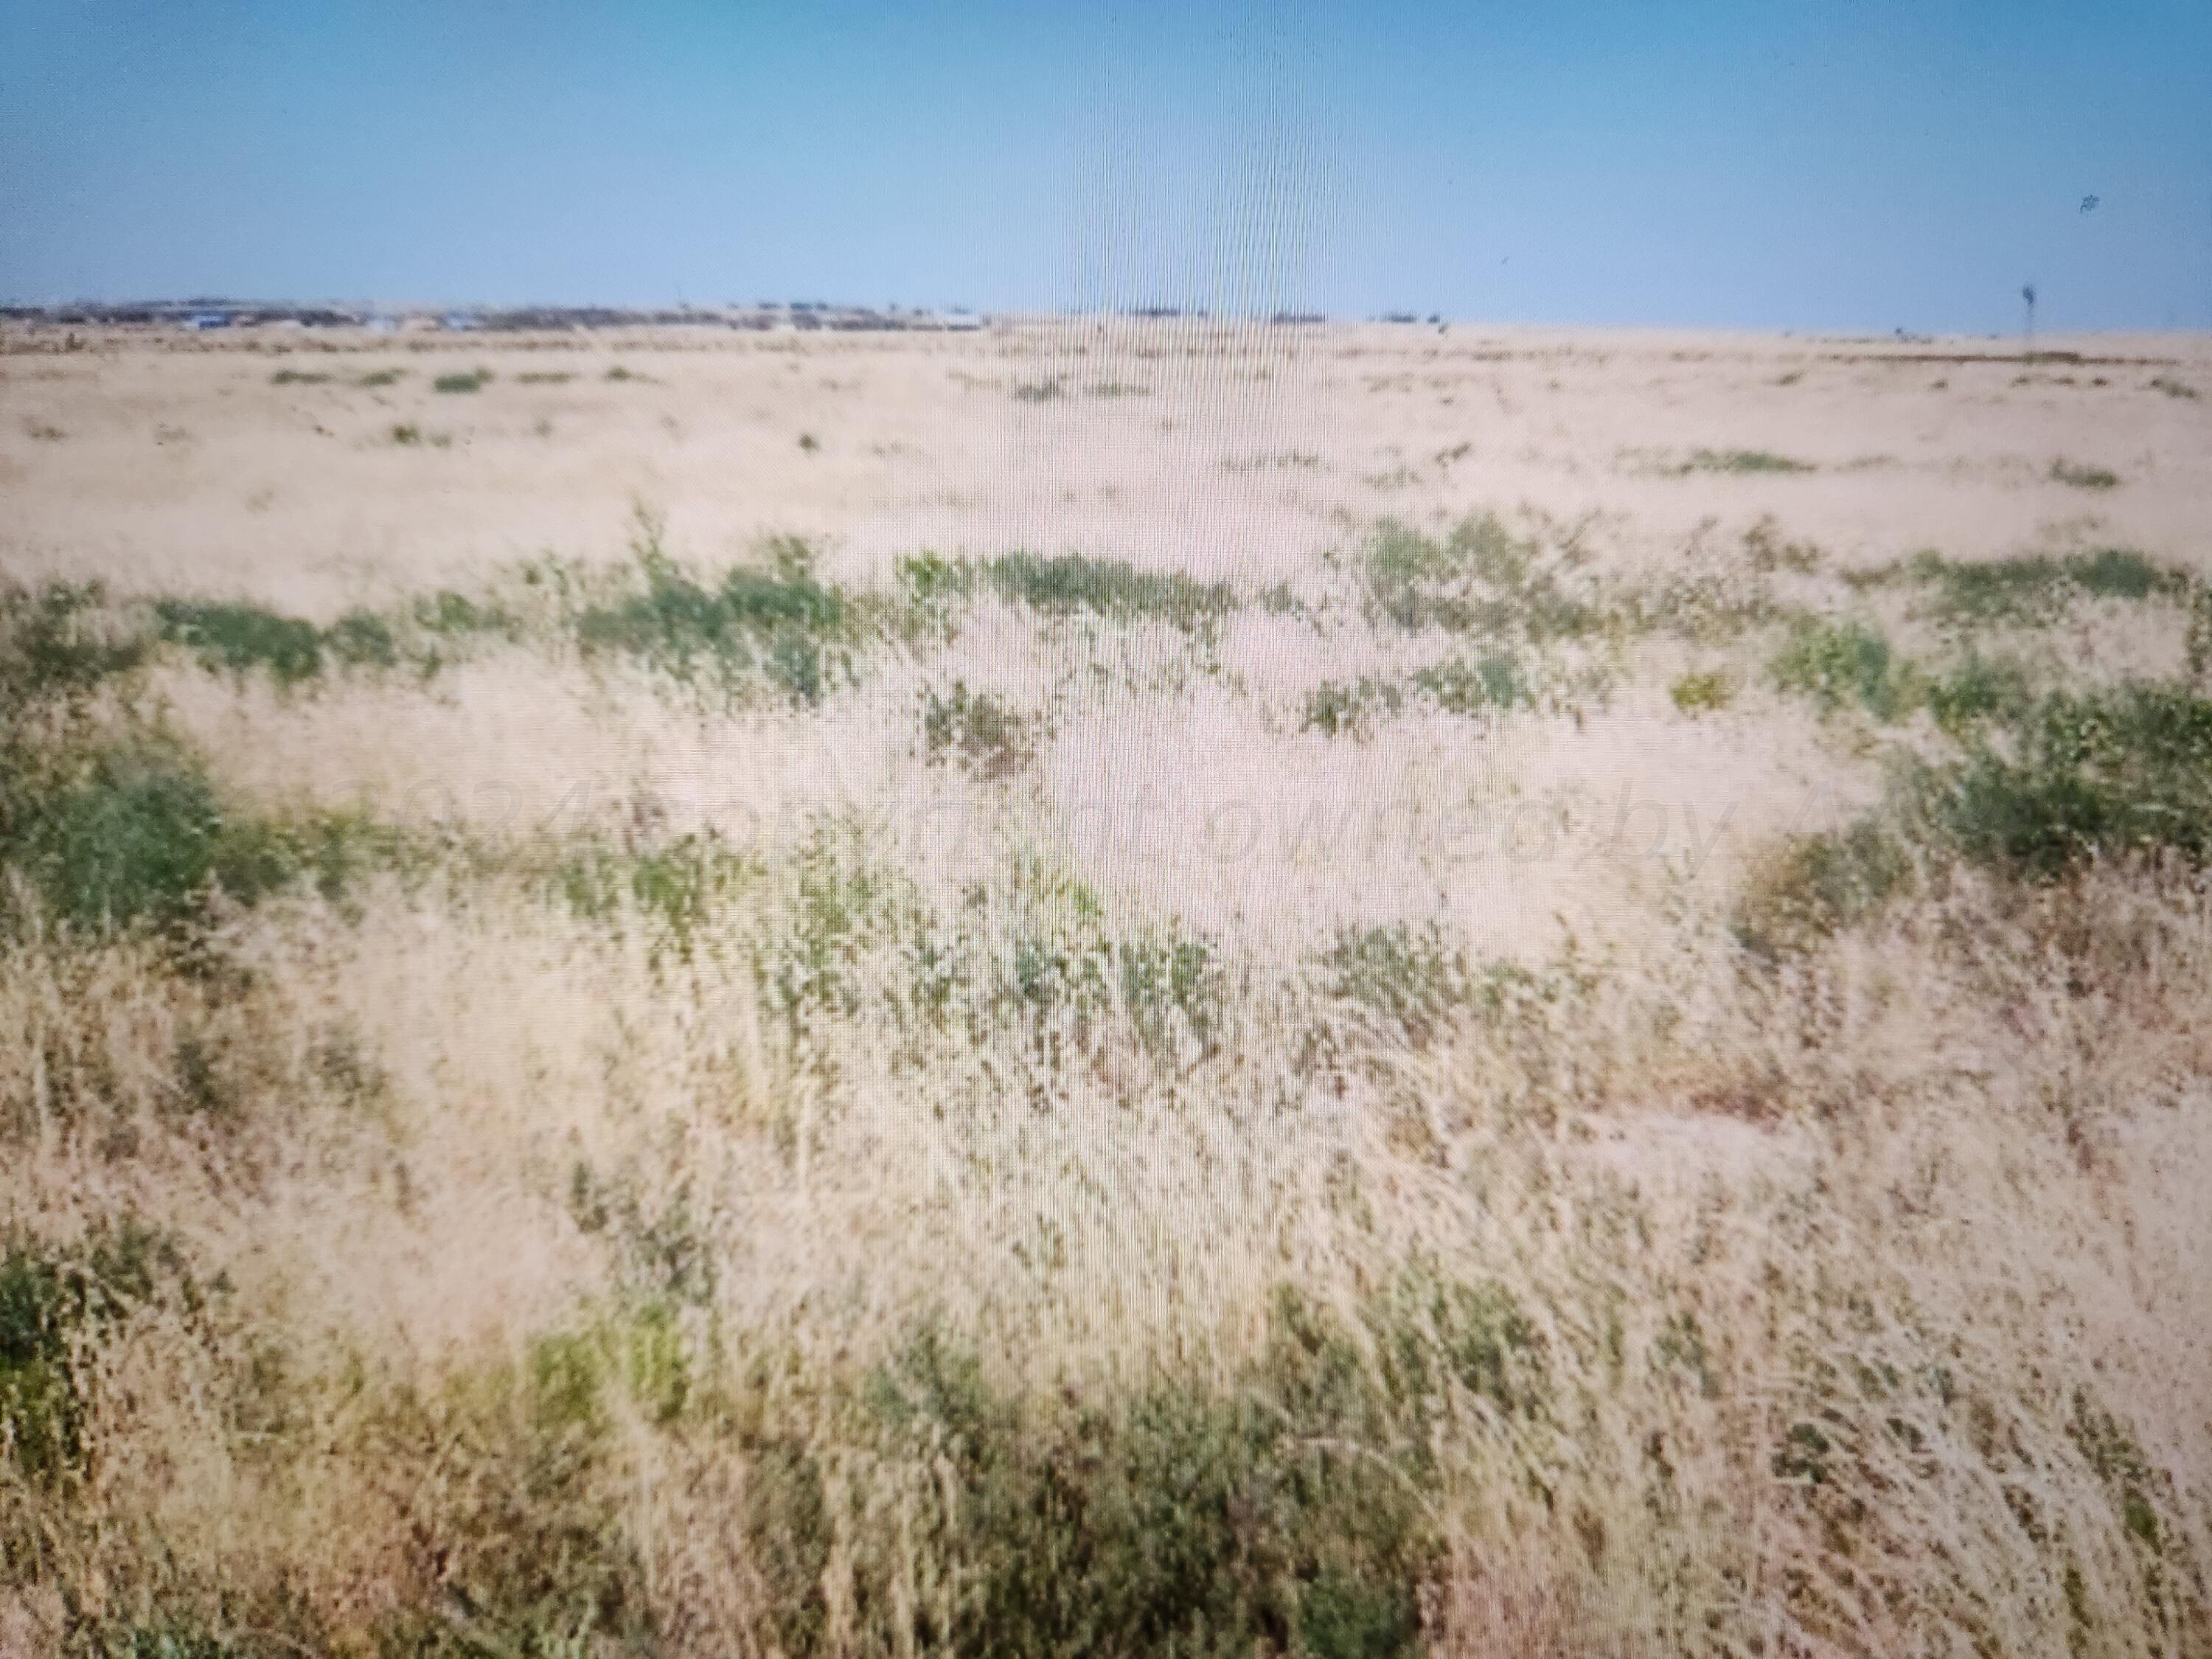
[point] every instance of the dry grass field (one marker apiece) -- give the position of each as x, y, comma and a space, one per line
1110, 989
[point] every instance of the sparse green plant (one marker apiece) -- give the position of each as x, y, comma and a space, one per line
1073, 581
1495, 680
298, 377
362, 639
1808, 886
1340, 708
1738, 460
808, 443
1036, 392
468, 380
377, 378
2172, 387
545, 377
1839, 663
975, 728
237, 636
2082, 475
1703, 692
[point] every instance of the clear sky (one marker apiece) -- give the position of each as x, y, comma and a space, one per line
1753, 163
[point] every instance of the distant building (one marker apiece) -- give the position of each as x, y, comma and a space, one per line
205, 319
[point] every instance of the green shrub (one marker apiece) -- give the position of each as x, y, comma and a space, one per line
1493, 680
2031, 588
975, 729
1412, 976
1739, 460
1036, 392
1703, 692
362, 639
1837, 663
1978, 689
54, 1301
55, 646
545, 377
775, 622
1071, 581
297, 377
2086, 773
1334, 709
1288, 1512
2173, 388
2083, 477
473, 380
377, 378
1808, 886
239, 637
1478, 579
138, 837
447, 612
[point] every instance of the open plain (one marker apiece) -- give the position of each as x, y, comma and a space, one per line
1104, 987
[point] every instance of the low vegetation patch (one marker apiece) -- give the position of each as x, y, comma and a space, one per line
1807, 887
2029, 589
2082, 475
1737, 460
1479, 578
1069, 582
777, 624
1703, 692
975, 729
468, 381
2083, 775
239, 637
298, 377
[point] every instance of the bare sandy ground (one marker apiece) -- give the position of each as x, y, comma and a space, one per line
1207, 448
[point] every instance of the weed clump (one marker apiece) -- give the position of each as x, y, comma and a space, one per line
54, 1303
1810, 886
1494, 680
1703, 692
241, 637
2030, 589
1070, 582
471, 380
2081, 476
1738, 460
297, 377
781, 622
2086, 775
975, 729
56, 646
1478, 579
1839, 663
1341, 708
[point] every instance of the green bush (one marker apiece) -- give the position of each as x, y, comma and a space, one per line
2033, 589
1494, 680
297, 377
474, 380
55, 648
1286, 1513
1739, 460
52, 1303
362, 639
241, 636
1703, 692
1837, 663
1334, 709
2083, 477
1479, 578
775, 622
1071, 581
1810, 886
2086, 774
1977, 689
975, 729
1412, 976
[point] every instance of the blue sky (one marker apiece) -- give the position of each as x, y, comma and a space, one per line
1887, 163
